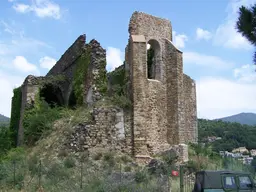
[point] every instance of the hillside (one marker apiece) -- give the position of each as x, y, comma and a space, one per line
242, 118
4, 119
232, 134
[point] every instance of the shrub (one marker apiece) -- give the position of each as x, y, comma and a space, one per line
69, 162
33, 165
63, 153
15, 154
126, 159
127, 168
56, 172
170, 157
141, 176
6, 140
109, 158
97, 156
39, 120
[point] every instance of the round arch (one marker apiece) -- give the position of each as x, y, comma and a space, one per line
52, 95
153, 59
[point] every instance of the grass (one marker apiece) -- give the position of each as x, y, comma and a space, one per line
48, 166
97, 173
32, 174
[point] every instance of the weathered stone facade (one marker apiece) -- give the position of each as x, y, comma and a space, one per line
66, 68
109, 129
163, 111
164, 108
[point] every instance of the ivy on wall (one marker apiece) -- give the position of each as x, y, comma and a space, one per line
53, 80
82, 64
39, 119
117, 80
15, 114
101, 80
118, 87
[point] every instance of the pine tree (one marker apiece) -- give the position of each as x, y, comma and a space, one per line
246, 25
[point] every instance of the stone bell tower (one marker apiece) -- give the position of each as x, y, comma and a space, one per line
164, 99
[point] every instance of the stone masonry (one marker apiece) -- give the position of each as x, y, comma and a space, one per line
66, 67
164, 108
163, 111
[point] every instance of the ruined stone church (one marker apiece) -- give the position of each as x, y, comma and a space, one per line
163, 109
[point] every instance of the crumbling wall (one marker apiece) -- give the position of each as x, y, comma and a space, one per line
68, 58
66, 65
150, 96
189, 93
84, 61
29, 90
163, 111
159, 107
108, 130
150, 26
88, 75
175, 110
95, 85
149, 106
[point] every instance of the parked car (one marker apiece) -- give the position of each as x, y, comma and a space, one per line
221, 181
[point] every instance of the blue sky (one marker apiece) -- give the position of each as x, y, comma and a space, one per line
35, 33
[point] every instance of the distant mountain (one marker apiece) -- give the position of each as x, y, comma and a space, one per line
242, 118
4, 120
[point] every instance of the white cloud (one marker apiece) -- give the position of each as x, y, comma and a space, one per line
219, 97
47, 62
22, 8
7, 84
246, 73
23, 65
203, 34
42, 8
7, 28
205, 60
179, 39
226, 34
115, 58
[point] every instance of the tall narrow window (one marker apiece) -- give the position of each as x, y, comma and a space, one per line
153, 67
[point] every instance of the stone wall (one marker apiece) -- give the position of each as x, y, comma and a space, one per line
149, 106
150, 26
66, 67
148, 95
96, 73
108, 130
189, 92
68, 58
29, 90
164, 111
175, 113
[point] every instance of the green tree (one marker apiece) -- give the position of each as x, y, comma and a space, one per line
5, 140
232, 135
246, 25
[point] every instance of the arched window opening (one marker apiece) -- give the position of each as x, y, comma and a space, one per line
153, 50
52, 95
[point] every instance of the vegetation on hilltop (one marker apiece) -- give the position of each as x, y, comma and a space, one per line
4, 120
232, 135
242, 118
